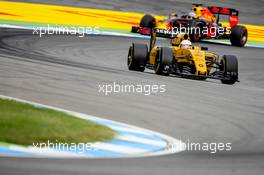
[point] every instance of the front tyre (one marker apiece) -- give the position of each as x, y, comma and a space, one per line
137, 57
148, 21
229, 67
163, 61
196, 32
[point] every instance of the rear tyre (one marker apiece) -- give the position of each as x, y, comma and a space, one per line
229, 66
137, 57
147, 21
196, 33
163, 61
238, 36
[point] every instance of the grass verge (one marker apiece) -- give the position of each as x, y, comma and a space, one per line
25, 124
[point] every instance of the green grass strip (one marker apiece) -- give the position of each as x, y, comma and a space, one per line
24, 124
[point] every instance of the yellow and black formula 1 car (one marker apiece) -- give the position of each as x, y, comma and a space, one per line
192, 62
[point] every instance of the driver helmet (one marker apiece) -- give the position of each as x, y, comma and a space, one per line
173, 16
185, 44
192, 15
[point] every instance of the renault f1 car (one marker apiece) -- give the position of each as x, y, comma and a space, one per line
193, 62
201, 23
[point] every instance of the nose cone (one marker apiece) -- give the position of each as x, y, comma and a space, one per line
199, 62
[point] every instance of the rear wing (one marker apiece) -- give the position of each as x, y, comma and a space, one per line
223, 11
232, 13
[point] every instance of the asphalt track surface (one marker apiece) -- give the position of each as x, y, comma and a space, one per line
65, 71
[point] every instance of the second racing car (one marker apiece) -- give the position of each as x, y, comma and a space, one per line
202, 23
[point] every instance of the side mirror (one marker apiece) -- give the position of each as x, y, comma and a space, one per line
204, 48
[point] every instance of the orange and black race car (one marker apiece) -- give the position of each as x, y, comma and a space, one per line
201, 23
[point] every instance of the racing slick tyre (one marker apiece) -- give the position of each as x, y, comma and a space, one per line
229, 66
163, 61
195, 34
137, 57
147, 21
238, 36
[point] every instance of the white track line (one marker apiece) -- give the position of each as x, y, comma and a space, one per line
141, 140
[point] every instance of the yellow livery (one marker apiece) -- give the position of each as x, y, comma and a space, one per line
182, 59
